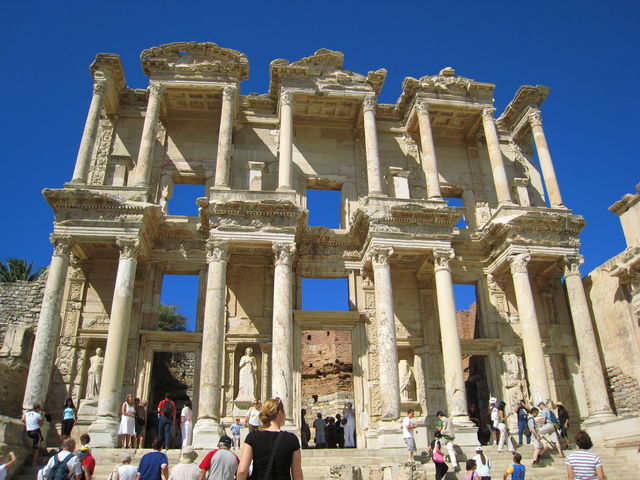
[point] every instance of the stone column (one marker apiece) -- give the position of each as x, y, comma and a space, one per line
590, 364
282, 333
225, 139
145, 154
374, 178
89, 134
428, 153
451, 349
286, 142
387, 349
207, 429
47, 332
495, 157
531, 340
104, 431
548, 172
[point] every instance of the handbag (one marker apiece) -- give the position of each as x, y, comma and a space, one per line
267, 474
437, 455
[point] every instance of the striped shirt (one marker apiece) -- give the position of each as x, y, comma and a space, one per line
584, 464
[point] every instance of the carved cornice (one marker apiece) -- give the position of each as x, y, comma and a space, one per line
379, 256
218, 250
128, 246
442, 258
519, 262
61, 245
572, 265
284, 253
525, 98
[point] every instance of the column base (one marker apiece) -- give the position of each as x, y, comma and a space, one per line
377, 194
559, 205
465, 435
386, 435
284, 188
78, 181
220, 187
207, 433
104, 432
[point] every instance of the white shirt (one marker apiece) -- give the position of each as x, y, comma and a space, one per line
254, 417
494, 417
127, 472
3, 471
33, 419
74, 466
186, 414
484, 470
406, 431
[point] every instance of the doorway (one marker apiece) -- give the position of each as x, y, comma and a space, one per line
477, 387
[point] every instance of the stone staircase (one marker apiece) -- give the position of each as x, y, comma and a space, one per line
383, 464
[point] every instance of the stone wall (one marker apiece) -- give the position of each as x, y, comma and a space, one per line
326, 362
20, 304
624, 390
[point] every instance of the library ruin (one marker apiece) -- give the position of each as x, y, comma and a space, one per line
436, 190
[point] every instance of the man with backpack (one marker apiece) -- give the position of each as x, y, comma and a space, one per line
166, 418
64, 465
548, 427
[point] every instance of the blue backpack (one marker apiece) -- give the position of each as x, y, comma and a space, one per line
552, 417
60, 469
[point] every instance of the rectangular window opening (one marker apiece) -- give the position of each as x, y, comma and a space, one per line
330, 294
178, 303
467, 311
457, 202
183, 199
324, 208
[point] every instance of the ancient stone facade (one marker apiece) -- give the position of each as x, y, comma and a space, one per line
319, 126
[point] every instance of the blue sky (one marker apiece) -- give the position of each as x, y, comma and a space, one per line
586, 51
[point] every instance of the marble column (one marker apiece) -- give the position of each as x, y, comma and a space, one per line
374, 178
282, 333
546, 165
428, 153
495, 157
590, 363
104, 431
387, 344
286, 141
451, 349
531, 339
145, 154
48, 330
89, 134
223, 162
207, 429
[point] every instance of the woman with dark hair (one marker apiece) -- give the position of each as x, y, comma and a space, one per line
583, 464
502, 429
437, 455
563, 421
275, 454
186, 423
68, 418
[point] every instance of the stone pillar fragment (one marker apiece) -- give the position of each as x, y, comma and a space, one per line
590, 363
225, 139
495, 157
428, 153
374, 178
207, 429
548, 172
531, 339
286, 141
145, 154
44, 346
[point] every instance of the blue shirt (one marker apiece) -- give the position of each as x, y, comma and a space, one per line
68, 414
149, 468
235, 429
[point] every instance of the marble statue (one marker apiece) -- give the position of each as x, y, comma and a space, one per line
247, 378
94, 375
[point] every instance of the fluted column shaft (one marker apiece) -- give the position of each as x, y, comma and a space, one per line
282, 333
531, 339
428, 153
590, 363
223, 161
89, 134
387, 344
286, 141
451, 349
495, 157
44, 346
546, 164
145, 154
374, 178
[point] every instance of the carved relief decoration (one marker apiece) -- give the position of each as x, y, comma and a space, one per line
100, 165
519, 262
284, 253
218, 250
442, 258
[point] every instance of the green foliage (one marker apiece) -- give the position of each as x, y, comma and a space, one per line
15, 269
170, 320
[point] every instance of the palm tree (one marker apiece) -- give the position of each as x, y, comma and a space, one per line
15, 269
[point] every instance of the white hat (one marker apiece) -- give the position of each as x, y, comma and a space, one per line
479, 448
493, 400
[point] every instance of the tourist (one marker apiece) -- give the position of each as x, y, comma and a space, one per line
548, 427
437, 455
64, 460
126, 471
305, 431
68, 418
349, 414
493, 416
583, 464
563, 421
154, 465
539, 446
85, 440
186, 423
408, 427
522, 412
87, 462
140, 421
320, 437
33, 420
166, 418
221, 463
252, 419
127, 429
483, 463
275, 454
502, 429
445, 427
330, 432
516, 470
471, 473
340, 423
186, 469
235, 428
4, 467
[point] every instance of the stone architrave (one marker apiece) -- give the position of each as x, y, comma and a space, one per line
223, 163
374, 178
286, 141
44, 345
145, 154
546, 164
428, 153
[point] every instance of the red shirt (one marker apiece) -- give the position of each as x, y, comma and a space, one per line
90, 463
161, 407
206, 462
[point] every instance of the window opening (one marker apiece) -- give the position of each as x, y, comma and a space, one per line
183, 200
178, 303
467, 311
324, 208
325, 294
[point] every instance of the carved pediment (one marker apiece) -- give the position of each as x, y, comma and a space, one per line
526, 96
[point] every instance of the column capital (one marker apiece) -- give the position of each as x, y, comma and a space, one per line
100, 86
228, 93
284, 253
155, 89
535, 118
128, 246
286, 98
487, 113
442, 258
519, 262
61, 244
369, 103
572, 264
218, 250
423, 108
379, 256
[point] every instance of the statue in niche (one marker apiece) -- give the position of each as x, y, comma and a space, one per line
94, 374
247, 376
407, 382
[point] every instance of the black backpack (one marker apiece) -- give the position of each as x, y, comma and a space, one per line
60, 469
167, 408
